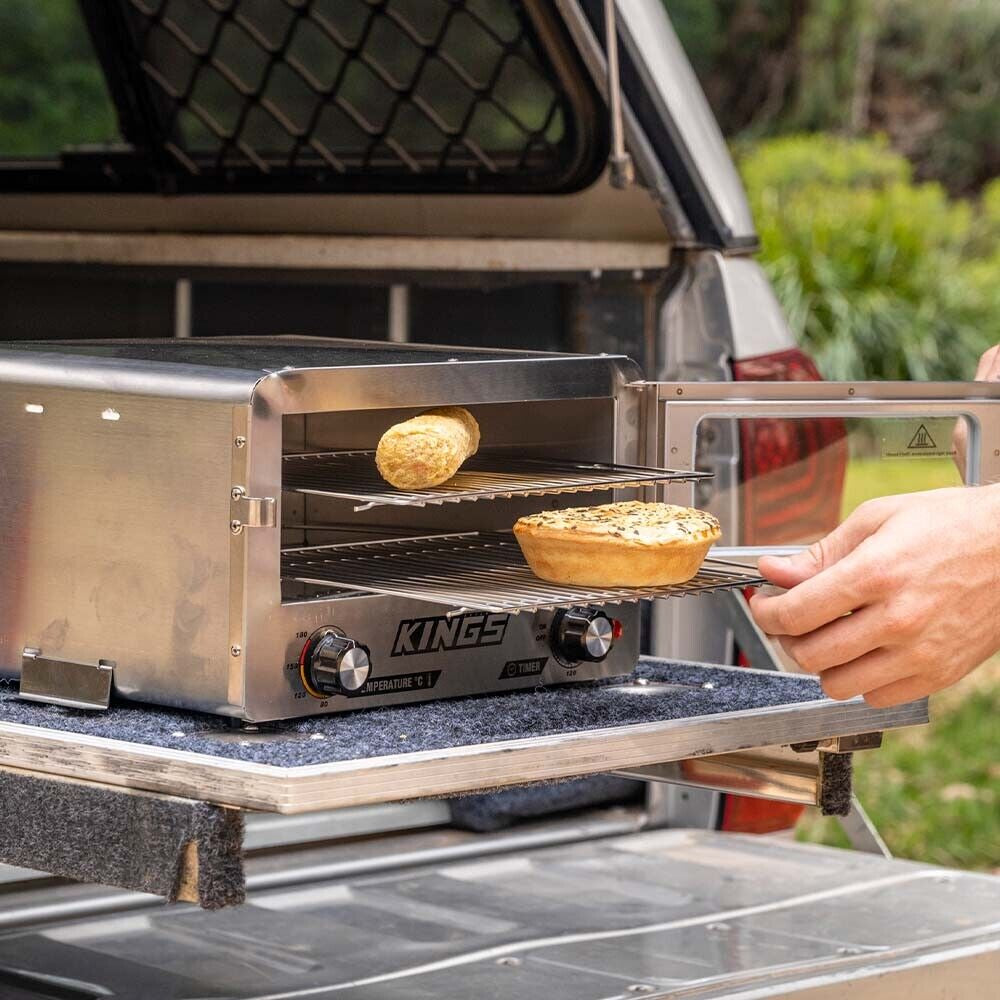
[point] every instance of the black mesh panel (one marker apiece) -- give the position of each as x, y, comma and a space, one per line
441, 95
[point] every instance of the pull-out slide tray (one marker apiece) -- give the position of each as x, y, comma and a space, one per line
663, 712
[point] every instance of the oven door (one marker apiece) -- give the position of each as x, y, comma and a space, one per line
800, 457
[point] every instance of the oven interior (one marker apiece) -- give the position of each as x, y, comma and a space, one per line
346, 533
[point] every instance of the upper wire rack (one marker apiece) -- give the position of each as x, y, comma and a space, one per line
475, 571
352, 475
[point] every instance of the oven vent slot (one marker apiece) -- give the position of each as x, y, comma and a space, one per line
352, 475
474, 571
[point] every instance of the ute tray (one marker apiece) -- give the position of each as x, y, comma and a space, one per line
662, 712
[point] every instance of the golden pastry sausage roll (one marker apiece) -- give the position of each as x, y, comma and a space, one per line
427, 450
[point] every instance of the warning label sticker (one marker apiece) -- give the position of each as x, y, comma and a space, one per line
929, 438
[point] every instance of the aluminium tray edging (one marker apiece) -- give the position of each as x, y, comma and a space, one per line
433, 773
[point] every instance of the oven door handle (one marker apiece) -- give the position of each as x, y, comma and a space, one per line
751, 553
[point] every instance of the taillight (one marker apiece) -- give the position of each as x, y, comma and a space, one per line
742, 814
792, 479
791, 471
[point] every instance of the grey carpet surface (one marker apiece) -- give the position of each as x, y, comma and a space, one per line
135, 841
499, 810
836, 783
672, 691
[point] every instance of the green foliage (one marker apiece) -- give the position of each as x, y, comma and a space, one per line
52, 93
881, 277
794, 162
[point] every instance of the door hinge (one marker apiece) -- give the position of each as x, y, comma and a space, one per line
251, 512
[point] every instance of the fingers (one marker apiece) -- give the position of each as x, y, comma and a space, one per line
790, 571
989, 365
873, 671
901, 691
838, 643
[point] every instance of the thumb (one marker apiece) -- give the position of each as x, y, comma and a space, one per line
988, 369
789, 571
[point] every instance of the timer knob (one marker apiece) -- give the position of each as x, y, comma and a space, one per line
338, 665
582, 634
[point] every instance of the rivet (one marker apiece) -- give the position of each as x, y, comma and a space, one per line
236, 527
240, 441
235, 650
673, 450
680, 392
850, 392
238, 493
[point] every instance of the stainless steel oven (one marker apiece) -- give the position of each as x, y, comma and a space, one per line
201, 525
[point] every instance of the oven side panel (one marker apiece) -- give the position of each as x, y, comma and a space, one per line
114, 523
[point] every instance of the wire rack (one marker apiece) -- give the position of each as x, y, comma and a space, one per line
352, 475
350, 93
475, 571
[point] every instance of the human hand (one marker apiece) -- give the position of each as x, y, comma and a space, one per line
988, 370
900, 601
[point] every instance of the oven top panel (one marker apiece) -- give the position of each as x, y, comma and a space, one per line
267, 355
295, 374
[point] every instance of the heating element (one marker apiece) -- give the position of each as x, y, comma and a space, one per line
352, 475
475, 571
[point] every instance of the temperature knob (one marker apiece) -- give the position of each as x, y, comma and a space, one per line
582, 634
336, 665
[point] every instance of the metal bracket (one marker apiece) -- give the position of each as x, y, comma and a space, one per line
251, 512
769, 773
861, 831
851, 744
65, 682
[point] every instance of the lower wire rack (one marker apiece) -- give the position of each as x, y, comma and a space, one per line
475, 571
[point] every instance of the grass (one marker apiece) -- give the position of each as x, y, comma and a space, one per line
868, 478
932, 791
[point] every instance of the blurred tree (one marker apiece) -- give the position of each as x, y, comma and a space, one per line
52, 93
925, 72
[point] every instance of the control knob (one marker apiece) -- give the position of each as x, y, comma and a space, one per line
582, 634
337, 665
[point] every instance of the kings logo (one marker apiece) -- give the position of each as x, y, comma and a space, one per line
440, 634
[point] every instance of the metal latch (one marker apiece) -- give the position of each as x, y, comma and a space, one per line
65, 682
251, 512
